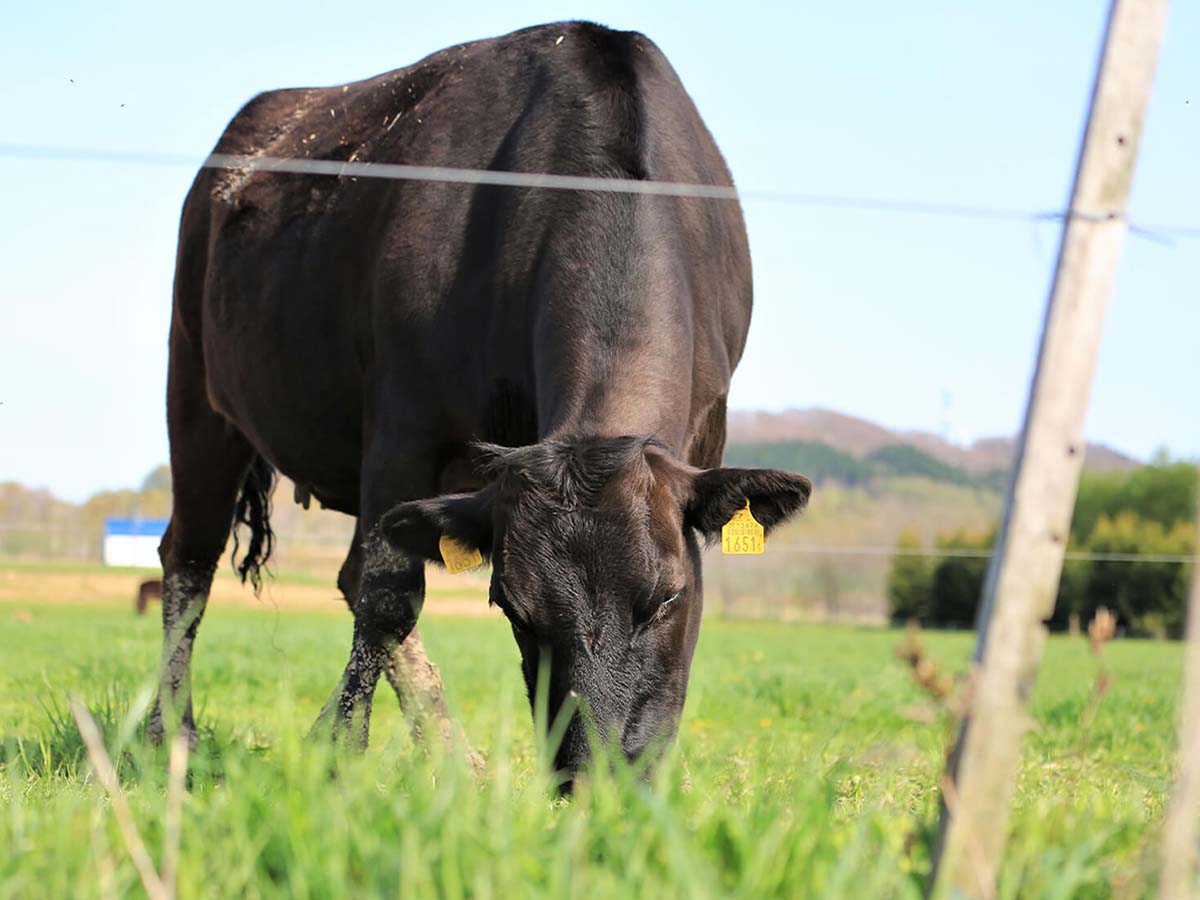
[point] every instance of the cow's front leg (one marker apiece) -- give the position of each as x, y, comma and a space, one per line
391, 591
418, 686
412, 675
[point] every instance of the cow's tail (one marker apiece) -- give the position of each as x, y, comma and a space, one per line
254, 511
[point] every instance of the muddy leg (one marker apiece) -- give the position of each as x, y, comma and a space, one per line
346, 715
209, 462
185, 594
412, 675
418, 686
391, 589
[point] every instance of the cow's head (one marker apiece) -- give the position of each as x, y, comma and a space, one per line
596, 563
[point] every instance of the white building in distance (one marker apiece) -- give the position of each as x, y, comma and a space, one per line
133, 542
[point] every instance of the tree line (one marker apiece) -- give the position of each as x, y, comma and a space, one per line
1148, 511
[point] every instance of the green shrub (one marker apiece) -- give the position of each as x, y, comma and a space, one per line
1147, 513
1163, 493
958, 580
908, 585
942, 591
1148, 597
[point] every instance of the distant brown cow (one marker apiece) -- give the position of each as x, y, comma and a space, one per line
147, 591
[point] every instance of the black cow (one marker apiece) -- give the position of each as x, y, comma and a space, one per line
537, 374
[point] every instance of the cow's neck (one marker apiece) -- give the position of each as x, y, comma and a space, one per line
644, 391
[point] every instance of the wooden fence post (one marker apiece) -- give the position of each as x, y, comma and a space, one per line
1179, 872
1022, 580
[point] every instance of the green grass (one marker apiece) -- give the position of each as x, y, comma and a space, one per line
813, 759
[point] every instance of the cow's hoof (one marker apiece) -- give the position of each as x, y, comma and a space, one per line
344, 723
154, 727
156, 730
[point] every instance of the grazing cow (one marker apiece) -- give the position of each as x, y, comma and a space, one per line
538, 375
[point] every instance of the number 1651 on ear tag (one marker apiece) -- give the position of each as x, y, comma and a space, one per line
742, 535
458, 557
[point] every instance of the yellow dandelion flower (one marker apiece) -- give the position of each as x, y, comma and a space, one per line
764, 723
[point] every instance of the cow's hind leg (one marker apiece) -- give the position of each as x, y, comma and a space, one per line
412, 675
211, 463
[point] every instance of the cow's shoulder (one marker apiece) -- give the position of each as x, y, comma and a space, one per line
268, 125
265, 117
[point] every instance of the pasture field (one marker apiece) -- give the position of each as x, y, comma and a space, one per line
812, 754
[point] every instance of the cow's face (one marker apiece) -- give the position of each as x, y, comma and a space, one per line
596, 563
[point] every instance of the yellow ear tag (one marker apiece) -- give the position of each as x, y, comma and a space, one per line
458, 557
742, 535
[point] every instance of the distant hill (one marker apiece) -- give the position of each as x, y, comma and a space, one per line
824, 463
859, 439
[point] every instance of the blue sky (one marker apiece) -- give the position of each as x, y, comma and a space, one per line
876, 315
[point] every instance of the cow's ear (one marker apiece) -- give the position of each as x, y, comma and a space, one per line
719, 493
417, 527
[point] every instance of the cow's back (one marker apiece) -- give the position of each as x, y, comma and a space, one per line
306, 287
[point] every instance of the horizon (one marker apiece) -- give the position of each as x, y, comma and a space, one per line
965, 445
1154, 458
914, 322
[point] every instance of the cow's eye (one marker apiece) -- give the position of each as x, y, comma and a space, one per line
655, 607
668, 602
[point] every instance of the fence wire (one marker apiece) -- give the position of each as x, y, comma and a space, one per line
355, 169
933, 552
79, 536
